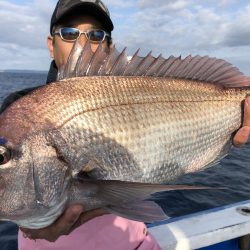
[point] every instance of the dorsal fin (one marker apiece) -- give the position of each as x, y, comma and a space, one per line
109, 62
133, 63
119, 64
74, 57
154, 67
83, 63
143, 65
97, 61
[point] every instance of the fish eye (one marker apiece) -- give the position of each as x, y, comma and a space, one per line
4, 155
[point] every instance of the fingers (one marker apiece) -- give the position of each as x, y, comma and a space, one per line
242, 135
246, 121
61, 227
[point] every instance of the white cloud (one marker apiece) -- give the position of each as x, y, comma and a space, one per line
22, 57
216, 28
164, 4
224, 3
238, 32
23, 30
119, 3
190, 29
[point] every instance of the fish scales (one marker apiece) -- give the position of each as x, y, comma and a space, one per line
143, 116
148, 126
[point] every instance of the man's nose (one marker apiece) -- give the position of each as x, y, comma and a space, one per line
82, 39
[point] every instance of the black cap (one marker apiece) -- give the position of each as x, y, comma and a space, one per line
92, 7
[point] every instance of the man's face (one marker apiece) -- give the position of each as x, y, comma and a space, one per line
60, 50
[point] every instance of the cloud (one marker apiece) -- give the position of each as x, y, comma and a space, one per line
209, 27
164, 4
25, 25
224, 3
189, 27
119, 3
23, 30
238, 32
19, 57
198, 27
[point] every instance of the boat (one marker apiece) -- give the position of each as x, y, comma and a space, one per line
222, 228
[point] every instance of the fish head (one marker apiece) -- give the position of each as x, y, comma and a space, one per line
33, 179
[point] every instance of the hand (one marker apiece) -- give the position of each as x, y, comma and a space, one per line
64, 225
243, 133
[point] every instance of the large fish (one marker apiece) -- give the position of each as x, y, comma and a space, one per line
112, 125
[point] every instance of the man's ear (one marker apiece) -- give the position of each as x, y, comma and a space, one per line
50, 46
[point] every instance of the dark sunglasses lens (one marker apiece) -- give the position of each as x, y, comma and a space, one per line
70, 34
96, 35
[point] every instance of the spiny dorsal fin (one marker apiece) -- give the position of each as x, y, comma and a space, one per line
74, 57
156, 64
119, 64
133, 63
83, 63
97, 60
109, 62
143, 65
113, 54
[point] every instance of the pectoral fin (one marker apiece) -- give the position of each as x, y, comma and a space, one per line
145, 211
128, 199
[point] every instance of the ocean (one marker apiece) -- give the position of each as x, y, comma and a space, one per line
233, 172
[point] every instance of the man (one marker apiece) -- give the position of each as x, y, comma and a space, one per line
96, 233
88, 20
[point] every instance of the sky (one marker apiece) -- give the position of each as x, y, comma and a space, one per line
169, 27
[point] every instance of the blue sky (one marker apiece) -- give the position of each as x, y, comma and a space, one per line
179, 27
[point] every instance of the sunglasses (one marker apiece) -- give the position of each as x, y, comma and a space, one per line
71, 34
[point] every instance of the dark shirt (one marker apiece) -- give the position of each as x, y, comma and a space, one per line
52, 74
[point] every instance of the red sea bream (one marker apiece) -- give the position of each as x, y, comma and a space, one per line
112, 130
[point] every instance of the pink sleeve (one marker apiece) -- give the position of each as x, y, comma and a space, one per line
104, 233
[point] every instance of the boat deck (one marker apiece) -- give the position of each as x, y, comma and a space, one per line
223, 225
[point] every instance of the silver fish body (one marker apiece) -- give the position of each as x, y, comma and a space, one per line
145, 129
76, 140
